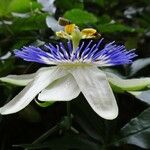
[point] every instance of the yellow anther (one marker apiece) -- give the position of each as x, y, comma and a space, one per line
69, 28
60, 34
89, 33
63, 34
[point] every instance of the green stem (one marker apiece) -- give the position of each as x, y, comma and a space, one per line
76, 37
46, 134
68, 115
75, 43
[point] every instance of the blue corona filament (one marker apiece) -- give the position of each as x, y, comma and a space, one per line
89, 53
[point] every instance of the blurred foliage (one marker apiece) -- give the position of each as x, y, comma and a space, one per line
23, 22
85, 17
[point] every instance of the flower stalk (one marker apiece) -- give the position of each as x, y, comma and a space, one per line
69, 115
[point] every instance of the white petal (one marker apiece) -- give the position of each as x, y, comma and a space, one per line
96, 89
128, 84
42, 79
48, 5
63, 89
20, 80
53, 24
6, 56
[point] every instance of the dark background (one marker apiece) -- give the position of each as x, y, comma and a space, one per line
127, 22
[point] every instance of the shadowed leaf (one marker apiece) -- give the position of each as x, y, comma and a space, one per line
137, 131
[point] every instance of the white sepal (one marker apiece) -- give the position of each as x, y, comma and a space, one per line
21, 80
42, 79
96, 89
63, 89
135, 84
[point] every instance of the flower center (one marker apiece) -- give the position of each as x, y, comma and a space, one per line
73, 54
71, 65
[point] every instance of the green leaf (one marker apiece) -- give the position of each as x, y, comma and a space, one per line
138, 65
121, 85
22, 5
80, 17
6, 67
131, 43
104, 19
67, 5
4, 7
136, 132
21, 42
66, 142
8, 6
142, 95
104, 3
116, 27
100, 2
34, 22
